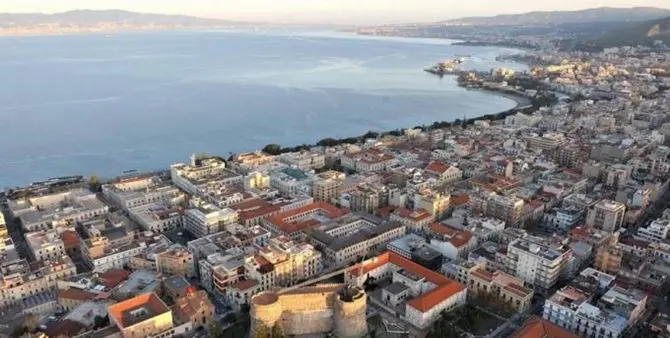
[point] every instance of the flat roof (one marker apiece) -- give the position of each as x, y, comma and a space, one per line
137, 309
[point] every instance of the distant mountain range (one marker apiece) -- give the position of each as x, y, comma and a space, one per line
104, 20
628, 34
601, 14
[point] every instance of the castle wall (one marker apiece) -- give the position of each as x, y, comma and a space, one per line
350, 318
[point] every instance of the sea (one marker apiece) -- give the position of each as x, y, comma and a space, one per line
107, 103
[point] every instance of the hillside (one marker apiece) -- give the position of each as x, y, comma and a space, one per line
105, 20
601, 14
629, 34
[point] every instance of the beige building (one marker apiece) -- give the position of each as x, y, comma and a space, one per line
608, 258
19, 280
205, 219
436, 204
142, 316
283, 263
364, 199
548, 141
606, 215
506, 288
327, 185
305, 160
537, 262
196, 308
176, 260
506, 208
45, 245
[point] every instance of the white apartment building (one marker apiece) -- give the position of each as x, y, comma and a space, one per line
207, 219
368, 160
48, 211
157, 217
136, 192
656, 231
291, 182
304, 160
45, 245
19, 280
606, 215
536, 262
201, 173
114, 250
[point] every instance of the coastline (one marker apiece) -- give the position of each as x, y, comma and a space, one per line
522, 102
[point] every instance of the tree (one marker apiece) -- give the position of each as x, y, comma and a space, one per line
100, 322
215, 330
94, 183
262, 331
328, 142
277, 331
370, 134
272, 149
19, 331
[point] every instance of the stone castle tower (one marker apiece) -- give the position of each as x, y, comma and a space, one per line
335, 308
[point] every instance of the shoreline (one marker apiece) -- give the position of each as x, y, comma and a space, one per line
521, 101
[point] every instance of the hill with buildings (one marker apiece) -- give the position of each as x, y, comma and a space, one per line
629, 34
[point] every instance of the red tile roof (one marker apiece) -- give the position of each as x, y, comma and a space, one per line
120, 311
482, 274
536, 327
459, 200
245, 284
437, 167
415, 215
113, 277
70, 239
445, 288
76, 294
254, 208
280, 222
456, 237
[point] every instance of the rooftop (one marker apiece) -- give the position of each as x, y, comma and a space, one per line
137, 309
536, 327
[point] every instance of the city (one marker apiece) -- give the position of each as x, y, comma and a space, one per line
551, 219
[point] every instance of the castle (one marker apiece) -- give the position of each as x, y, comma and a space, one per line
334, 308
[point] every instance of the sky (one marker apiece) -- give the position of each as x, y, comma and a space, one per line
323, 11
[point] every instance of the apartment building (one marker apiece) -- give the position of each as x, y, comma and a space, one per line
434, 202
506, 208
354, 237
49, 211
606, 215
196, 308
294, 222
205, 219
142, 316
133, 192
506, 288
176, 260
415, 220
283, 263
45, 245
368, 160
656, 231
451, 242
247, 162
19, 279
113, 249
537, 262
157, 217
548, 141
291, 182
443, 172
304, 160
327, 186
364, 199
197, 177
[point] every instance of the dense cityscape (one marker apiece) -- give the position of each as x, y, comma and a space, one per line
548, 220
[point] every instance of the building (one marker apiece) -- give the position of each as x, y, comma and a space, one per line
369, 160
416, 220
142, 316
49, 211
656, 231
294, 222
239, 294
176, 260
609, 258
311, 311
364, 199
502, 286
452, 242
19, 279
595, 237
432, 291
548, 141
202, 174
132, 192
114, 248
537, 262
304, 160
606, 215
353, 237
45, 245
206, 219
157, 217
327, 186
283, 263
506, 208
291, 182
536, 327
246, 162
444, 173
434, 203
195, 307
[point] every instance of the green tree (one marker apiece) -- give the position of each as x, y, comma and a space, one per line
370, 134
215, 330
94, 183
328, 142
277, 332
272, 149
100, 322
262, 331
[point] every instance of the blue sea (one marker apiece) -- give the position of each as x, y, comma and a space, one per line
104, 104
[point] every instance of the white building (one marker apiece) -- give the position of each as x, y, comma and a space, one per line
21, 280
304, 160
136, 192
207, 219
606, 215
45, 245
157, 217
196, 178
536, 262
656, 231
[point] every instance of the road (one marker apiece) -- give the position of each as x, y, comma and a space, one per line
15, 232
326, 274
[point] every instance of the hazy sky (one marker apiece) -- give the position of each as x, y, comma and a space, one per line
324, 11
